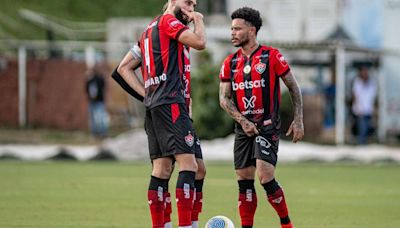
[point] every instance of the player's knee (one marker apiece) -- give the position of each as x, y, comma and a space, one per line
188, 166
168, 170
266, 176
265, 179
265, 171
186, 162
246, 173
162, 171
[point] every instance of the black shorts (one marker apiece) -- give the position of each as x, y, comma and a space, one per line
169, 131
197, 147
247, 149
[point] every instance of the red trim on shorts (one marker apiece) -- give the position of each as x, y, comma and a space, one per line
175, 112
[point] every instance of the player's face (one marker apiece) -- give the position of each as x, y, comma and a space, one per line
240, 32
188, 5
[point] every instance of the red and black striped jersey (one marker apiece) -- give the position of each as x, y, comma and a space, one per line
163, 64
255, 83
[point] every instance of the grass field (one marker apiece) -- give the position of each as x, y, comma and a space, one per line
113, 194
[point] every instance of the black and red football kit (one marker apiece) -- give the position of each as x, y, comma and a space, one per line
256, 94
162, 61
167, 121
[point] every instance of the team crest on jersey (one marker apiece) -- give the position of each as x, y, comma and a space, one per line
189, 139
260, 67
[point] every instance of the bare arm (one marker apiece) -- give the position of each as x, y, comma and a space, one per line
197, 38
226, 103
126, 70
297, 127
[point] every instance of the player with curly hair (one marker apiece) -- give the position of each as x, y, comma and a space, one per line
250, 94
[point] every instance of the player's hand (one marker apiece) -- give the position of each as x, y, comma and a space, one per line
297, 128
249, 128
192, 15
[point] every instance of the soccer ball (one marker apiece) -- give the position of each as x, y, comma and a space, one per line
219, 222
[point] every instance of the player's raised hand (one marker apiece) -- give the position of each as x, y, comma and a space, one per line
192, 15
297, 128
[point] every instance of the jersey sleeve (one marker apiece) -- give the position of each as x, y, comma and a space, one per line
136, 52
172, 26
224, 75
280, 66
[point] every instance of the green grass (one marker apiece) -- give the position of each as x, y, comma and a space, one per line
113, 194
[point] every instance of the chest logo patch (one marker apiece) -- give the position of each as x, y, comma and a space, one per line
249, 103
260, 67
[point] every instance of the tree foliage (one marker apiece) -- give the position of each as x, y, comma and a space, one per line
210, 121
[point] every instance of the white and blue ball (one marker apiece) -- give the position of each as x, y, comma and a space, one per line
219, 222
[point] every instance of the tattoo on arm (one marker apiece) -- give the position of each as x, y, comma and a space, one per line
295, 94
226, 102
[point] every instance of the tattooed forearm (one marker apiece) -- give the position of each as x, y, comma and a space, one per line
295, 94
226, 102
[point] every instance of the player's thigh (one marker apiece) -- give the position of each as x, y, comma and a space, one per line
243, 151
265, 171
266, 149
266, 153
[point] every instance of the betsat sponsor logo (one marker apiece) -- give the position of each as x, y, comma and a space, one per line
248, 84
155, 80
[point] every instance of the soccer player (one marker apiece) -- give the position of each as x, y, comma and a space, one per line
131, 64
250, 94
167, 122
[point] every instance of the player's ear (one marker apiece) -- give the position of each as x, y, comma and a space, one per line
254, 30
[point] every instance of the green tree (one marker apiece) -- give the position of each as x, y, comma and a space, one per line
210, 121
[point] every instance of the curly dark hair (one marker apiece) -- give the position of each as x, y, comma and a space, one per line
250, 15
